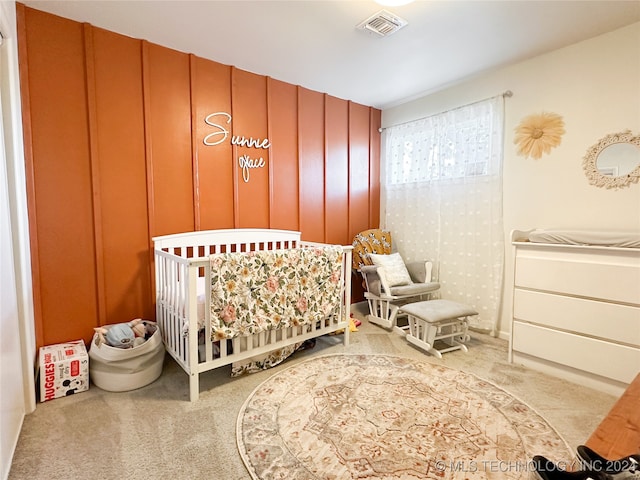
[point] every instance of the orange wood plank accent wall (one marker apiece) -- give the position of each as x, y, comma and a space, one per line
211, 84
120, 147
114, 138
311, 159
283, 121
336, 169
249, 111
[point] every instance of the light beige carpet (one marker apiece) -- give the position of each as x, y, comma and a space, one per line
155, 433
346, 417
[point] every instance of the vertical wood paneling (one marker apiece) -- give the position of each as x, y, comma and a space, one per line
148, 151
283, 133
114, 131
374, 167
169, 133
212, 94
336, 170
122, 176
62, 177
194, 142
358, 169
21, 14
249, 105
94, 161
311, 155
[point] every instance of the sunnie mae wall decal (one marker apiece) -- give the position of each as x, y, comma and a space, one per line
245, 161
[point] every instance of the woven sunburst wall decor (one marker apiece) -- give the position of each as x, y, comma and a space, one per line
538, 134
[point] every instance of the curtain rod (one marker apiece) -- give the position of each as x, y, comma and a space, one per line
507, 94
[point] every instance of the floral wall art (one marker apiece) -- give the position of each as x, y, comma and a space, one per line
538, 133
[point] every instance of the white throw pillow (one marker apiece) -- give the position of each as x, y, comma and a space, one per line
395, 270
384, 285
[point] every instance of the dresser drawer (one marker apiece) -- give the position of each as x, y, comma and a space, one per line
610, 360
607, 321
617, 281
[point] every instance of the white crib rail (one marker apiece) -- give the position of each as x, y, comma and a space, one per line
207, 242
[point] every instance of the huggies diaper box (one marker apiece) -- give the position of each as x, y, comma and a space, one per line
64, 370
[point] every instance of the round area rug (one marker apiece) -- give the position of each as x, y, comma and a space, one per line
384, 417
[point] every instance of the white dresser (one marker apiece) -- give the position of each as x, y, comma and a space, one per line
576, 312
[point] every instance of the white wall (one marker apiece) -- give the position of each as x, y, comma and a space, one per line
595, 86
17, 341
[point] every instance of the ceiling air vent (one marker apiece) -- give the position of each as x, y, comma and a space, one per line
383, 23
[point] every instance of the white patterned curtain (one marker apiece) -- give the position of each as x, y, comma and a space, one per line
442, 201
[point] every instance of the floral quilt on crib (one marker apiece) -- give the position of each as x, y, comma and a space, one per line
265, 290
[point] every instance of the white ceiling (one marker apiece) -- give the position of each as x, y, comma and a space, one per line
315, 43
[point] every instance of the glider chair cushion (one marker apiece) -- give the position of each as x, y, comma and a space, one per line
414, 289
389, 282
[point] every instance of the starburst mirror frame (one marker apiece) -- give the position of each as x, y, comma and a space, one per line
623, 145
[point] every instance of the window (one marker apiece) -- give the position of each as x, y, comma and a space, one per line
454, 144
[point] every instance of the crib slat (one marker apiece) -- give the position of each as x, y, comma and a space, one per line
223, 349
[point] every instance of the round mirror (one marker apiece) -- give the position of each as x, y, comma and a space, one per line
614, 161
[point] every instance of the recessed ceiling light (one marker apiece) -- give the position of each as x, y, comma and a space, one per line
393, 3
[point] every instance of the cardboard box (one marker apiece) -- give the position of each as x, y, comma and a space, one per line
64, 370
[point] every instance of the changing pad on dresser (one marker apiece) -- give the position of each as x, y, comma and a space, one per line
603, 238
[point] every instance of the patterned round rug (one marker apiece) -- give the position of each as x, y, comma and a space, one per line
384, 417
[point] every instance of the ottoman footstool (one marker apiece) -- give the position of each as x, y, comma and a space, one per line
433, 320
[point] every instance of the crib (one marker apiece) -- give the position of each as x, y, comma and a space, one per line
183, 300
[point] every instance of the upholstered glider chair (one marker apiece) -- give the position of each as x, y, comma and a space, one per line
389, 283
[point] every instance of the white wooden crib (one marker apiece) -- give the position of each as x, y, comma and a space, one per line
182, 263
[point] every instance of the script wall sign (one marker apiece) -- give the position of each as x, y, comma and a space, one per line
221, 133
